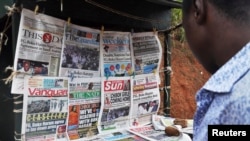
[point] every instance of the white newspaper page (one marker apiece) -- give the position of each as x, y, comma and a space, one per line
116, 99
147, 52
148, 132
45, 108
119, 135
39, 47
168, 121
81, 52
145, 100
123, 135
84, 108
116, 54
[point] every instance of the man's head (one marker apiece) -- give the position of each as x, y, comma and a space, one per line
90, 87
151, 103
216, 29
106, 48
26, 66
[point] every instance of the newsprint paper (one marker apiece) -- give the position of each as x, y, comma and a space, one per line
145, 99
116, 54
116, 99
38, 47
118, 135
45, 108
146, 52
84, 108
81, 52
148, 132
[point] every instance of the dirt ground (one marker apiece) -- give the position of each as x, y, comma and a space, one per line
187, 77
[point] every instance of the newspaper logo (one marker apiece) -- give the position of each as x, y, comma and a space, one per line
47, 92
47, 38
113, 85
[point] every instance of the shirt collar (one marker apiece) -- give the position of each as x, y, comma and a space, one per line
224, 79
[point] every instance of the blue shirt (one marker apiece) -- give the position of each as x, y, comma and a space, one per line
225, 97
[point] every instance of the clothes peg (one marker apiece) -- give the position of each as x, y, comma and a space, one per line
69, 21
61, 5
154, 71
133, 75
102, 29
154, 30
1, 41
36, 9
107, 76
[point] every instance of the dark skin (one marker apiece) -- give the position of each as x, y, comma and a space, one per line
212, 37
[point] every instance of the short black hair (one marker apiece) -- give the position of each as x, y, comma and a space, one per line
235, 10
186, 5
26, 62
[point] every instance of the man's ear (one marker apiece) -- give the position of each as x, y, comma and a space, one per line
200, 11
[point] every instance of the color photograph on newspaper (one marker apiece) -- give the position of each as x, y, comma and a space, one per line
80, 56
146, 99
116, 54
45, 106
38, 48
116, 99
146, 51
84, 108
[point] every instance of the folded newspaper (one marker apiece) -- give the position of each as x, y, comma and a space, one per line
148, 132
168, 121
160, 123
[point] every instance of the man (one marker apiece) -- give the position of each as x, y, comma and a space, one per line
135, 122
126, 85
153, 106
106, 49
218, 34
138, 65
26, 67
142, 109
90, 86
29, 69
107, 101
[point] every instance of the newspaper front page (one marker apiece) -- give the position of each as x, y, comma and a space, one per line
45, 108
84, 108
146, 52
116, 54
116, 99
38, 47
81, 52
145, 100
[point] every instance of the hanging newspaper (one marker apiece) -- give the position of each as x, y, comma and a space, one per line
45, 108
116, 99
145, 100
81, 52
84, 108
38, 48
115, 54
146, 52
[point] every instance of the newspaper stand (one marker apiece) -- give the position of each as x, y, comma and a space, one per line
131, 16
